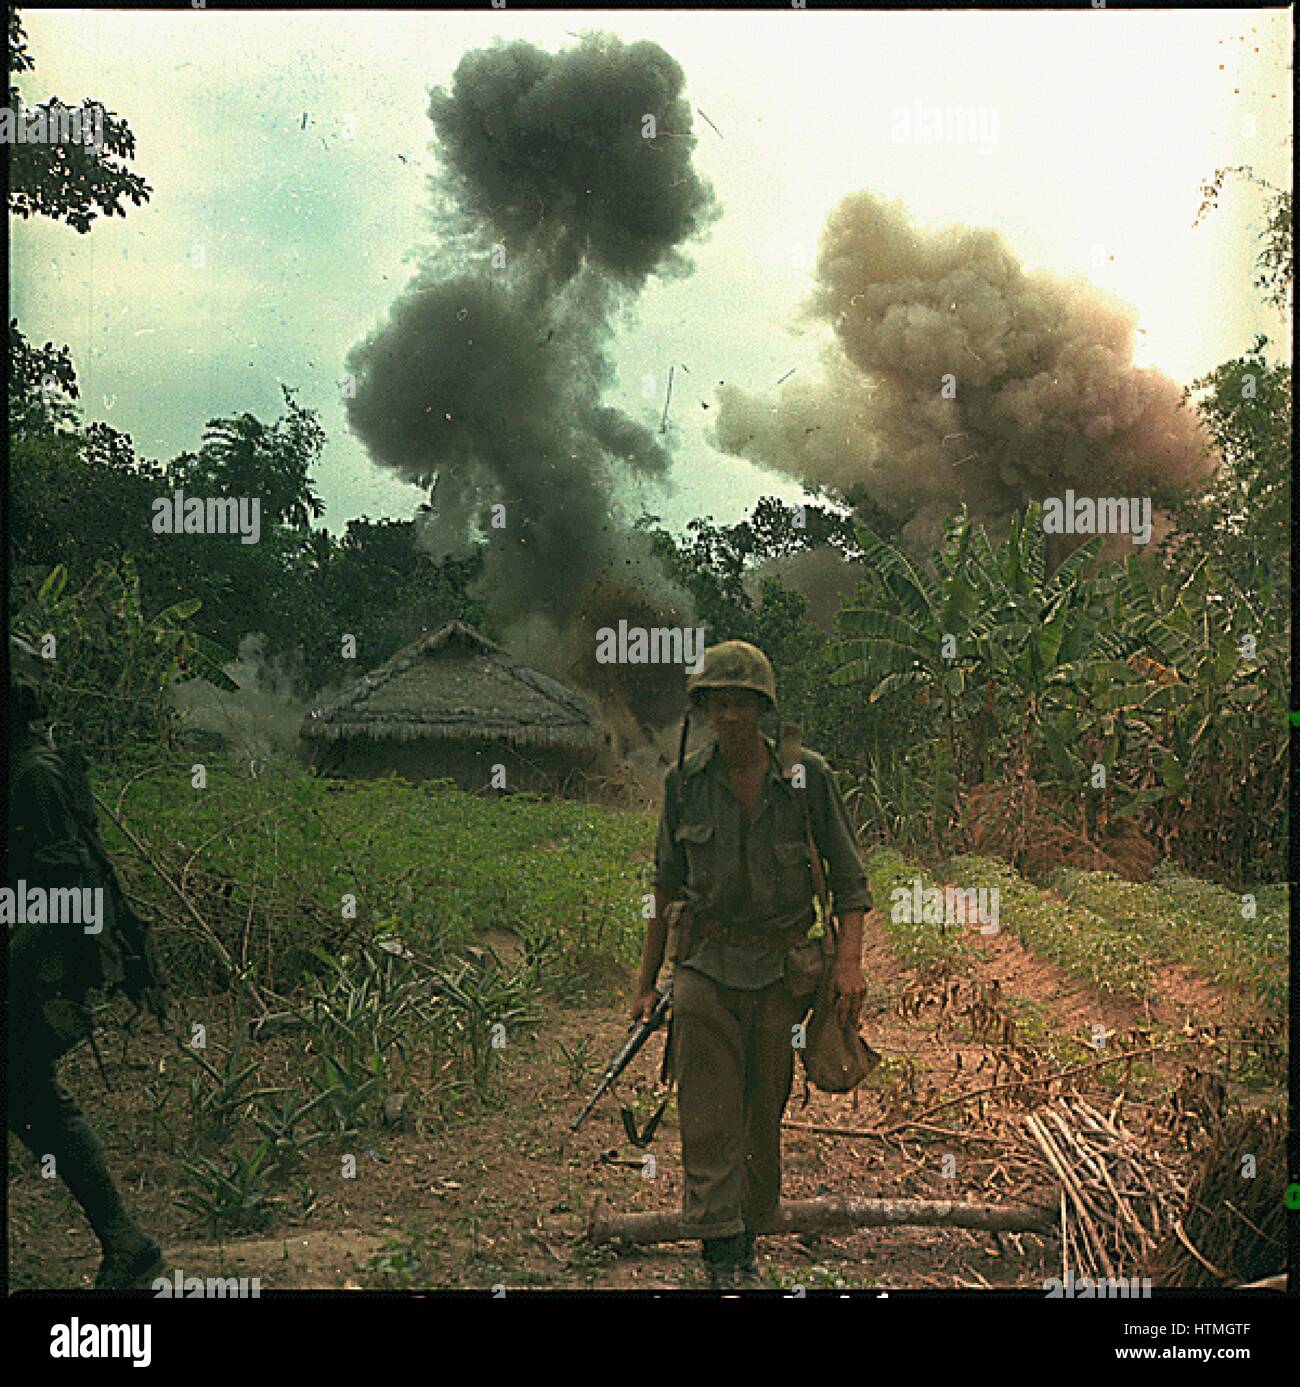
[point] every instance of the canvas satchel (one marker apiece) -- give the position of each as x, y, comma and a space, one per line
836, 1059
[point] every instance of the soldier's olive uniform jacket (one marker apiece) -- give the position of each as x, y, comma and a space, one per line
755, 873
52, 844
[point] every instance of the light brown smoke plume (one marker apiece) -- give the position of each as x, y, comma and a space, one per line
1046, 393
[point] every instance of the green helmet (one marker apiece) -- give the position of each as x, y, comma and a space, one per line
733, 665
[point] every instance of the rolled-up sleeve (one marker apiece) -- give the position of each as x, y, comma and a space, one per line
670, 856
838, 843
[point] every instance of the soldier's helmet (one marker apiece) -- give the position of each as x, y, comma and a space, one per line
733, 665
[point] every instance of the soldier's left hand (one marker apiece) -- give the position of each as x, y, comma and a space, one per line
850, 987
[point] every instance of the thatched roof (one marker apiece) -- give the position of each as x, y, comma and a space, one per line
454, 683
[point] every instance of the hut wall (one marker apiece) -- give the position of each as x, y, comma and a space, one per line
468, 762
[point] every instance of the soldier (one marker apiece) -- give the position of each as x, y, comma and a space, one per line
53, 843
732, 844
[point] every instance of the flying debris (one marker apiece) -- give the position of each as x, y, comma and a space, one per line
711, 125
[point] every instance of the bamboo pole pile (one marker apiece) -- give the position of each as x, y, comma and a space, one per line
1119, 1196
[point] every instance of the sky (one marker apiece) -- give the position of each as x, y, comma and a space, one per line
289, 153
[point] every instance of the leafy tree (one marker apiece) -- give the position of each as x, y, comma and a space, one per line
241, 456
716, 563
70, 182
41, 386
1274, 263
1242, 521
1205, 712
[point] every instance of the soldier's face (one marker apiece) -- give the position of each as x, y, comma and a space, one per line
733, 712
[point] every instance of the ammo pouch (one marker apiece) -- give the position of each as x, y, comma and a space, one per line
680, 921
805, 964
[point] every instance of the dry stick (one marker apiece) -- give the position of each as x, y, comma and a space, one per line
663, 426
1228, 1204
1065, 1257
1127, 1242
1029, 1083
963, 1136
831, 1215
248, 923
1072, 1140
212, 837
1043, 1137
139, 775
1121, 1203
1209, 1266
1089, 1240
207, 931
828, 1130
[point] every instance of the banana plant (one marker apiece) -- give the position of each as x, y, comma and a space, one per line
113, 663
908, 635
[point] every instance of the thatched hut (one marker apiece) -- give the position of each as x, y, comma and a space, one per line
453, 704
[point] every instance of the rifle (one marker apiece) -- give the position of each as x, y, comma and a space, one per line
640, 1031
637, 1035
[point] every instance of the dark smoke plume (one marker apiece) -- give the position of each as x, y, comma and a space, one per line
1047, 396
487, 379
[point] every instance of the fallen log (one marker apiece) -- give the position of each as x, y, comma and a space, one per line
833, 1215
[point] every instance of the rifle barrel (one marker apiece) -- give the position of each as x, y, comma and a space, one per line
638, 1033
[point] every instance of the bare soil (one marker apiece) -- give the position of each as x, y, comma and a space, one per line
502, 1196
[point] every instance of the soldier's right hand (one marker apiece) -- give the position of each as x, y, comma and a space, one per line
643, 1004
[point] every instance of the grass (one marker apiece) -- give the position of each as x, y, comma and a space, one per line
1198, 924
271, 862
915, 943
1099, 953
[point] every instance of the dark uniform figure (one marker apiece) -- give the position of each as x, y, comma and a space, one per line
53, 843
733, 844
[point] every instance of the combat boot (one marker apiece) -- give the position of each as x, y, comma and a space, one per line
129, 1262
722, 1261
748, 1277
129, 1254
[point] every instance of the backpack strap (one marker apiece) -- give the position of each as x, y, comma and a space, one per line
791, 756
143, 979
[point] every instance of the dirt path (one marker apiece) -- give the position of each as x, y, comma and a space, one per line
503, 1197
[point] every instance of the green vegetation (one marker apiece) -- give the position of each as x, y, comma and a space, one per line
915, 943
427, 863
468, 911
1197, 923
1101, 954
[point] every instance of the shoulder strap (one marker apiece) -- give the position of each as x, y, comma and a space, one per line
791, 754
132, 927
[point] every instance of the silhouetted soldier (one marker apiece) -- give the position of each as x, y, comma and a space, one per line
53, 843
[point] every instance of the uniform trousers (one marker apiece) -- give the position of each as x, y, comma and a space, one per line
45, 1117
734, 1055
